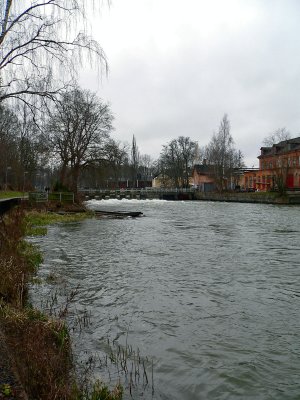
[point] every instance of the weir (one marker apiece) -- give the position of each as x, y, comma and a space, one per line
140, 194
290, 197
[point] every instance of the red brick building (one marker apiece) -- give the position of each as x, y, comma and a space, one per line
279, 166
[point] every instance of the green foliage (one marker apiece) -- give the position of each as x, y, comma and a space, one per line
51, 278
35, 315
62, 335
6, 390
32, 255
34, 218
36, 231
101, 392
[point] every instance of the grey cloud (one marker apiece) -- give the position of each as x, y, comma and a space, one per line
252, 73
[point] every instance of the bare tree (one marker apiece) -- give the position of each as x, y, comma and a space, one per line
170, 162
177, 158
277, 136
221, 154
281, 175
9, 125
135, 156
29, 148
19, 145
41, 48
77, 130
187, 150
147, 167
115, 155
199, 154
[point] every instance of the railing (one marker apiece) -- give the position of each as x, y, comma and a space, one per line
67, 197
42, 197
38, 197
137, 190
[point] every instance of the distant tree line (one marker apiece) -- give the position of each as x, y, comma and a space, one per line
70, 147
53, 133
180, 155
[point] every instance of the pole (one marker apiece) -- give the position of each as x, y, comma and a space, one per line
25, 172
6, 173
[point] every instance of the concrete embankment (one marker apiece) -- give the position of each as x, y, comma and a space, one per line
7, 204
256, 197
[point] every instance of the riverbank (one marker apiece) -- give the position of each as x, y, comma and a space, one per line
10, 386
38, 356
255, 197
35, 349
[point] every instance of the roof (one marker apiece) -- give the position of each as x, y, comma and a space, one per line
280, 148
203, 169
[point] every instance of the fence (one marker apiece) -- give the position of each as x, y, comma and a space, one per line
43, 197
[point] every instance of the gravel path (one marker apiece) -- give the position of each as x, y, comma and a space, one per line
10, 388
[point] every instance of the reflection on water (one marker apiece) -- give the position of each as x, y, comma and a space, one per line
209, 291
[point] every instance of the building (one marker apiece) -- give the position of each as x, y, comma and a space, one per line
203, 177
161, 181
279, 167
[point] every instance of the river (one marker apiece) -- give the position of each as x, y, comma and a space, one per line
207, 293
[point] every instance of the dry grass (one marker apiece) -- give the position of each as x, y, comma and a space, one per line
41, 350
14, 270
40, 345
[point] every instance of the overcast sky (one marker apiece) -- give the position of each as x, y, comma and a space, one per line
175, 68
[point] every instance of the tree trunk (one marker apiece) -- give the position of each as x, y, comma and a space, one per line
75, 177
63, 173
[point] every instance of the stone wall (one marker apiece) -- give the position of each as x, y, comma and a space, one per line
257, 197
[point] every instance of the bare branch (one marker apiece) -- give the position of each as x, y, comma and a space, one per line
36, 46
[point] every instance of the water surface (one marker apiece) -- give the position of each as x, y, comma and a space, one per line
210, 292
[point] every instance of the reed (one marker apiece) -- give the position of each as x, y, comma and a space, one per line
126, 365
39, 343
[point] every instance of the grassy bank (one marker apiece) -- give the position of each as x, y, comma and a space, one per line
40, 344
7, 194
36, 222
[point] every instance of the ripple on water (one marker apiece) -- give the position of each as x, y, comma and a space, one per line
204, 289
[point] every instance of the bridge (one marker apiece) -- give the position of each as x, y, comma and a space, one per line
141, 194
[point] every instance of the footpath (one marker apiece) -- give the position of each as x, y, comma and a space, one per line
10, 387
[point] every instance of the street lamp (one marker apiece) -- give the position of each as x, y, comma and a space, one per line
6, 173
